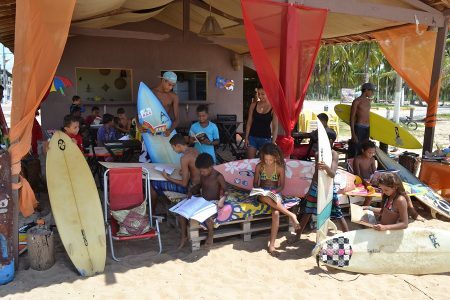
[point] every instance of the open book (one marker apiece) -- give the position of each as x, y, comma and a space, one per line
199, 137
262, 192
196, 208
362, 216
164, 168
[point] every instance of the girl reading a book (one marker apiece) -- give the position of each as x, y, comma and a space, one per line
394, 213
270, 176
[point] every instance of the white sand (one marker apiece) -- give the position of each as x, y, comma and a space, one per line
231, 269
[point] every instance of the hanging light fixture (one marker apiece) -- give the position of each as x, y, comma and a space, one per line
211, 27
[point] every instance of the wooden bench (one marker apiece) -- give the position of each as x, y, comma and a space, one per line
243, 227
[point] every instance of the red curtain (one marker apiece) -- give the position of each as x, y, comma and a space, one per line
411, 55
283, 39
41, 31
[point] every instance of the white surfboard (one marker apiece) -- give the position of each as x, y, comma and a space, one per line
76, 205
324, 184
410, 251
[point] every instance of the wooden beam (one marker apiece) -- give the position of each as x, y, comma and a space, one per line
421, 5
186, 19
205, 6
121, 11
377, 11
113, 33
435, 89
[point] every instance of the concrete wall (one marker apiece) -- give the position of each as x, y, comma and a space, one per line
146, 59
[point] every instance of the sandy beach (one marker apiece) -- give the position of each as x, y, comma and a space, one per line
231, 269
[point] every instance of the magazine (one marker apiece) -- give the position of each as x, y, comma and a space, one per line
196, 208
362, 216
266, 193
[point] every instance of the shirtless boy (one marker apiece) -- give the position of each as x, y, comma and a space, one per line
360, 117
190, 175
364, 166
168, 98
212, 187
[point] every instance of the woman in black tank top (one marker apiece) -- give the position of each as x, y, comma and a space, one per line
262, 124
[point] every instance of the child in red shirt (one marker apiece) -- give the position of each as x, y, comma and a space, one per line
71, 128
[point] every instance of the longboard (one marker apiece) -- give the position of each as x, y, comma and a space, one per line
155, 120
6, 220
324, 184
408, 251
76, 205
382, 129
428, 196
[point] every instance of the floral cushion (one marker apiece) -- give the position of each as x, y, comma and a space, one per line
132, 221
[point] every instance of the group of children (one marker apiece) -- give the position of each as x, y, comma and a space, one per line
112, 128
200, 178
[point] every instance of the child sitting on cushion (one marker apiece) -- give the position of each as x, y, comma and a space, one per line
269, 175
364, 166
212, 187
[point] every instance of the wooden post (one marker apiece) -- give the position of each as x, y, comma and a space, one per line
41, 250
186, 19
430, 120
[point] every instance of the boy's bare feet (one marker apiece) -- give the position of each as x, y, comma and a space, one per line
209, 241
182, 243
273, 252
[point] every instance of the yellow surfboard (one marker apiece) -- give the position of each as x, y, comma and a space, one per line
76, 205
382, 129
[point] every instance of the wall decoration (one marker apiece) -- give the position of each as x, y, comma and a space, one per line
104, 85
59, 83
222, 83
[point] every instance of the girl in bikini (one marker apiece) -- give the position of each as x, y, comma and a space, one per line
269, 175
394, 213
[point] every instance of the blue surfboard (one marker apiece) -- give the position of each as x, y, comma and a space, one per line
154, 118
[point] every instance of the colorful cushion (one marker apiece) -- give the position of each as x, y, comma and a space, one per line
239, 205
132, 221
174, 197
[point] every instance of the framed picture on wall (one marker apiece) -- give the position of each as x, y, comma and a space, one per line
104, 85
191, 85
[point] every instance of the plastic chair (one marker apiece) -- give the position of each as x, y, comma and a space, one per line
123, 190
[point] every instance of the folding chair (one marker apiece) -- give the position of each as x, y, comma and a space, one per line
123, 190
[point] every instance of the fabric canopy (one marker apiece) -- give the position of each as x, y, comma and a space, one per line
284, 39
411, 55
40, 36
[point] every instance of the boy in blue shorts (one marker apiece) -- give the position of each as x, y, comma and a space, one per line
204, 133
310, 205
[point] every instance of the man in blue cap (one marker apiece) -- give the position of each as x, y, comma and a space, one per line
168, 98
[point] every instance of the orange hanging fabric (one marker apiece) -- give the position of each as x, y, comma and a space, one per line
411, 55
41, 31
283, 39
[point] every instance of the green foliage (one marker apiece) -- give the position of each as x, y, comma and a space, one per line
350, 65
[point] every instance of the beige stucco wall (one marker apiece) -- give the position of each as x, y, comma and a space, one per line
146, 59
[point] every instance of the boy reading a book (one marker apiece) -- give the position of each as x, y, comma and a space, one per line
211, 187
269, 176
364, 166
311, 197
204, 133
190, 175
